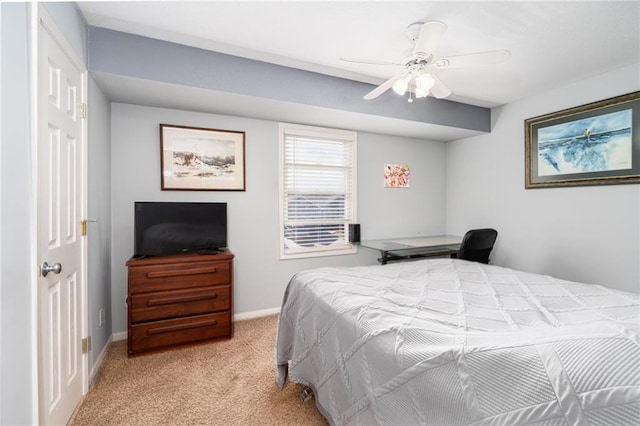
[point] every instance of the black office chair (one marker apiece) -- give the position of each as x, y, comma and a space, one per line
477, 245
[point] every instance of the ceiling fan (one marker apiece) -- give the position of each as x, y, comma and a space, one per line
419, 62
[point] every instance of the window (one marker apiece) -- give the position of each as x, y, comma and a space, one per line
317, 191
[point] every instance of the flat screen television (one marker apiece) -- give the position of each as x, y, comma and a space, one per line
163, 228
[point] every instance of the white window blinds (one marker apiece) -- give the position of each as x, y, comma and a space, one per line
317, 190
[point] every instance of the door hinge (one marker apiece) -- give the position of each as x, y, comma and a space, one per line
83, 110
86, 344
83, 226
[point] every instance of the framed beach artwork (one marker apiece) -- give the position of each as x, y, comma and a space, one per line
397, 176
200, 159
593, 144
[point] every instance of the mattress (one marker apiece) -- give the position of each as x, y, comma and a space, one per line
452, 342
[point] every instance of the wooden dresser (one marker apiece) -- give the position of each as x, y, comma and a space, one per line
181, 299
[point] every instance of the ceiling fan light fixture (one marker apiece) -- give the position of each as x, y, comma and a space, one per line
425, 81
421, 93
402, 84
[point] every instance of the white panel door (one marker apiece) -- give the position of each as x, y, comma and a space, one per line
61, 381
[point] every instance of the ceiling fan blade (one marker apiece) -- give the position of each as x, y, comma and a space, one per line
430, 35
439, 89
370, 62
383, 87
473, 59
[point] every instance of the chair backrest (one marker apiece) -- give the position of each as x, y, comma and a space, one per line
477, 245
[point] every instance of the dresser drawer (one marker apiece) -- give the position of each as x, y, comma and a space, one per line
178, 303
178, 275
161, 334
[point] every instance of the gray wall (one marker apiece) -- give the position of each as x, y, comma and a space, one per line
17, 377
259, 276
393, 212
71, 24
99, 209
588, 234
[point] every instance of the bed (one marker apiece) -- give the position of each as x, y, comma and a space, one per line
449, 342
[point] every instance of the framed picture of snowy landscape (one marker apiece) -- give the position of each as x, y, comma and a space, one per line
593, 144
199, 159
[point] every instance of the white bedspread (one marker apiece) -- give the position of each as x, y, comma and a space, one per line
446, 341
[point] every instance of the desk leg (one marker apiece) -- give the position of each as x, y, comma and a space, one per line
384, 256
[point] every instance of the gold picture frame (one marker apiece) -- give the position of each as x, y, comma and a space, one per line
592, 144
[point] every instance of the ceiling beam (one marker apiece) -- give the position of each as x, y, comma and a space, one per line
123, 54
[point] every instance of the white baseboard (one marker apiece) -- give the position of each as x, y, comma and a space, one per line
98, 363
121, 335
256, 314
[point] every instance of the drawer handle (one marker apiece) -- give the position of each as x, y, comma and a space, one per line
180, 299
181, 272
180, 327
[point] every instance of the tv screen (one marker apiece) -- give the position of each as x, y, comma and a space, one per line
163, 228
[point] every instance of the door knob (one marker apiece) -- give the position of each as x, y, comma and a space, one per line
46, 268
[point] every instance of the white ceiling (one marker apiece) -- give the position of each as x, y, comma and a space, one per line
551, 43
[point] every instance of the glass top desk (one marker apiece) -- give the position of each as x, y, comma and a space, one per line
392, 249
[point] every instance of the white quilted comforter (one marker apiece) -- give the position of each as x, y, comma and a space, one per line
447, 342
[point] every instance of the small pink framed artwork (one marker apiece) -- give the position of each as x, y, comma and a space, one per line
396, 176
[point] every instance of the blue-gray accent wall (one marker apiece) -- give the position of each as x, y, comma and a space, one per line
130, 55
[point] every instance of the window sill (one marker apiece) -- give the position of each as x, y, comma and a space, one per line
319, 253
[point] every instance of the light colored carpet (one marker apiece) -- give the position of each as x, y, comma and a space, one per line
229, 382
